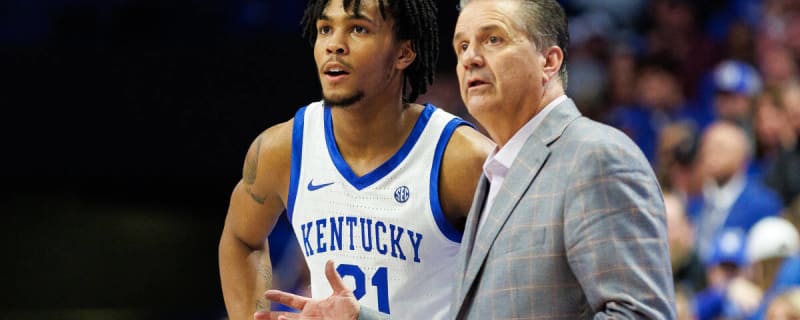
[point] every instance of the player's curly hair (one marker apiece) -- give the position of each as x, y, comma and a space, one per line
415, 20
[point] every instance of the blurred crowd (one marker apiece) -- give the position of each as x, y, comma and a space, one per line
710, 91
711, 94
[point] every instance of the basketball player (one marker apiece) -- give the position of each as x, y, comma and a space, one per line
368, 178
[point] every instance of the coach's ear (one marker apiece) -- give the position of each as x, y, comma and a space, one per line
553, 58
405, 55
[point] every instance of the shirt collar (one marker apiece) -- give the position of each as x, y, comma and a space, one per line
498, 163
727, 194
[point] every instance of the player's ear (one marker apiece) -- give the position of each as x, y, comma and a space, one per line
405, 55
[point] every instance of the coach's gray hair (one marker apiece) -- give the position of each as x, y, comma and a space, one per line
546, 24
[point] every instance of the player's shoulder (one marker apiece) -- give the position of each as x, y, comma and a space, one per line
278, 137
273, 146
462, 165
275, 139
469, 145
467, 149
465, 140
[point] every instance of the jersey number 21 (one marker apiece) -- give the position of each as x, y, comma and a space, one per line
380, 280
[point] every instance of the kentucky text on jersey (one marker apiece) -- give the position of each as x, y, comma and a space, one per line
337, 234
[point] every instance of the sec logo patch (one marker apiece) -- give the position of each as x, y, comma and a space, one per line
402, 194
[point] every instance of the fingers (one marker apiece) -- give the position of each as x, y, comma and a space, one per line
261, 315
275, 315
287, 299
337, 284
284, 316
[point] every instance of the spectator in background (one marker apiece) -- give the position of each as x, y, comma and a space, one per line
723, 269
622, 76
791, 100
675, 33
659, 102
687, 270
781, 23
739, 42
773, 132
773, 245
784, 176
789, 274
684, 307
736, 84
769, 242
730, 198
786, 306
792, 213
677, 165
776, 64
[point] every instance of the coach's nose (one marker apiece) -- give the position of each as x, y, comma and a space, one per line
471, 57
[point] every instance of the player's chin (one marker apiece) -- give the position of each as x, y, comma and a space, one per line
342, 100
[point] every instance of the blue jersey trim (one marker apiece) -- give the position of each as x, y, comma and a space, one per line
445, 226
368, 179
297, 158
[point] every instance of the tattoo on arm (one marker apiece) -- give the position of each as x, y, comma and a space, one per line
265, 274
251, 171
251, 163
255, 197
261, 305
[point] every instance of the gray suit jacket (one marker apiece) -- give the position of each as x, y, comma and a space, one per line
577, 231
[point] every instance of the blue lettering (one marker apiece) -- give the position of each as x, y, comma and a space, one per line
381, 248
306, 229
351, 221
368, 237
415, 244
321, 246
336, 233
396, 241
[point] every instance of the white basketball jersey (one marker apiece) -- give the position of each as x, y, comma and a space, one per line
385, 231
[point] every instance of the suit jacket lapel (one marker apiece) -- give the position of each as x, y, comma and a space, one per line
478, 201
519, 177
521, 174
468, 241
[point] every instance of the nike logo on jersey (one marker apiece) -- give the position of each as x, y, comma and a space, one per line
312, 187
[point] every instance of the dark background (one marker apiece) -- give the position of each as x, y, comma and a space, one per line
124, 127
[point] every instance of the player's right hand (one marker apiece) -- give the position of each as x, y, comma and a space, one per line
341, 305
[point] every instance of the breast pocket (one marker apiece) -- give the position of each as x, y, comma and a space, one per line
527, 239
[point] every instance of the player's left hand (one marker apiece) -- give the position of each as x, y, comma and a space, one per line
341, 305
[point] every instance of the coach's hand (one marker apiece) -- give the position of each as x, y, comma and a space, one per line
341, 305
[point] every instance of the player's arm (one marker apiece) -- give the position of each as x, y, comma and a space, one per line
462, 167
256, 203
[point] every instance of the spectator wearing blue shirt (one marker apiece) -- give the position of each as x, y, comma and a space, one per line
731, 199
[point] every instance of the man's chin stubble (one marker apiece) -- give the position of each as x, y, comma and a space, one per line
345, 101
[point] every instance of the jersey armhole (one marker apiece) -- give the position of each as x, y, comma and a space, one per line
447, 228
297, 157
